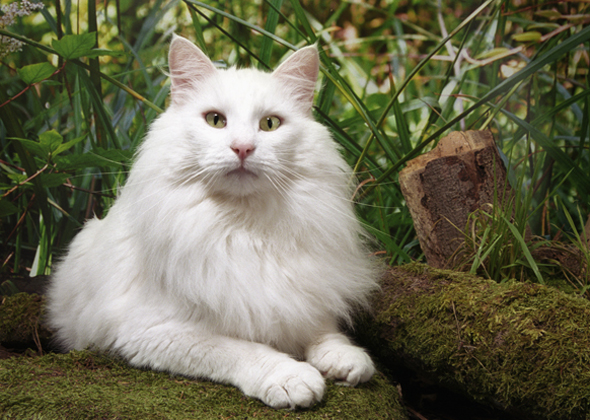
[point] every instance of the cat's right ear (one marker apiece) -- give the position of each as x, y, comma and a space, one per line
188, 67
299, 73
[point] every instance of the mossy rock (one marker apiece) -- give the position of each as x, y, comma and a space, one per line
522, 347
85, 385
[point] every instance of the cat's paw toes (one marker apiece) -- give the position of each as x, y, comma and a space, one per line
347, 364
292, 385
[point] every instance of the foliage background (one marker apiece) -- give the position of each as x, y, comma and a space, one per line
78, 99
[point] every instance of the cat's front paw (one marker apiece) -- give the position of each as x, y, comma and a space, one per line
292, 384
345, 363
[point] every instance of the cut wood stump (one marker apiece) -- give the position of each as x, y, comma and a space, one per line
442, 187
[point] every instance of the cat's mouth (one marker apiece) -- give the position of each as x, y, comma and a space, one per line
242, 172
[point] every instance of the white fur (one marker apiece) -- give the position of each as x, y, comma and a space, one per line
239, 277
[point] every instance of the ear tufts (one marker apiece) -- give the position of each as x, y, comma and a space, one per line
188, 67
300, 72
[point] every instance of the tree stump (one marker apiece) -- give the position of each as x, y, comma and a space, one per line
442, 187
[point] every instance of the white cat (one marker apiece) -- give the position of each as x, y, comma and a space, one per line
233, 251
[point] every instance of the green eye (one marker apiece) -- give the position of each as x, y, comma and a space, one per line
215, 119
270, 123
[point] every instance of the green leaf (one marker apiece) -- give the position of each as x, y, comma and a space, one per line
7, 208
552, 150
302, 18
242, 22
549, 14
74, 46
50, 140
99, 158
198, 31
495, 52
531, 36
53, 180
49, 82
272, 20
67, 145
18, 178
115, 156
34, 147
544, 26
549, 57
35, 72
525, 249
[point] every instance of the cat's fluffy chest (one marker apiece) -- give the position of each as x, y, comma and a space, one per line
243, 266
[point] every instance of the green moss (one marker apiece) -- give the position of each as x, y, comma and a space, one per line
522, 346
19, 318
84, 385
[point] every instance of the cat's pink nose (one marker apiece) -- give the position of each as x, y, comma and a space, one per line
243, 150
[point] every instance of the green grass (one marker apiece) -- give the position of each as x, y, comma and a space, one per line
395, 77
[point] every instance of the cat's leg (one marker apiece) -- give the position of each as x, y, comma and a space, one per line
257, 369
337, 358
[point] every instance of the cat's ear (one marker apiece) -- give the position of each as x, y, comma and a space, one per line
188, 66
300, 72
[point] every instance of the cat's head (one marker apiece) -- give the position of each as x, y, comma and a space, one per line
246, 130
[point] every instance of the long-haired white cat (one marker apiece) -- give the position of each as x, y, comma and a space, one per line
233, 252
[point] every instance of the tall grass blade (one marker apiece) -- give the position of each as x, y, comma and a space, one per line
198, 31
507, 84
300, 13
552, 150
272, 19
241, 22
525, 249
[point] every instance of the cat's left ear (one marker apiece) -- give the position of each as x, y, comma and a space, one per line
188, 67
299, 73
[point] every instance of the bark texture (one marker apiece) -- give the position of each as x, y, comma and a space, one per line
442, 187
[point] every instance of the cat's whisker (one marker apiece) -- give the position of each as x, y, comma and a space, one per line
335, 195
283, 190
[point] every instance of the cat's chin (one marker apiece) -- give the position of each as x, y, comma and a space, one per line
242, 182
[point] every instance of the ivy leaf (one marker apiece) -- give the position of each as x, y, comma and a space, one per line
35, 72
74, 46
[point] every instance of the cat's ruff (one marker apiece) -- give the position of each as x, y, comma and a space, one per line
233, 251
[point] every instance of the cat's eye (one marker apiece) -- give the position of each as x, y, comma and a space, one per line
215, 119
270, 123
